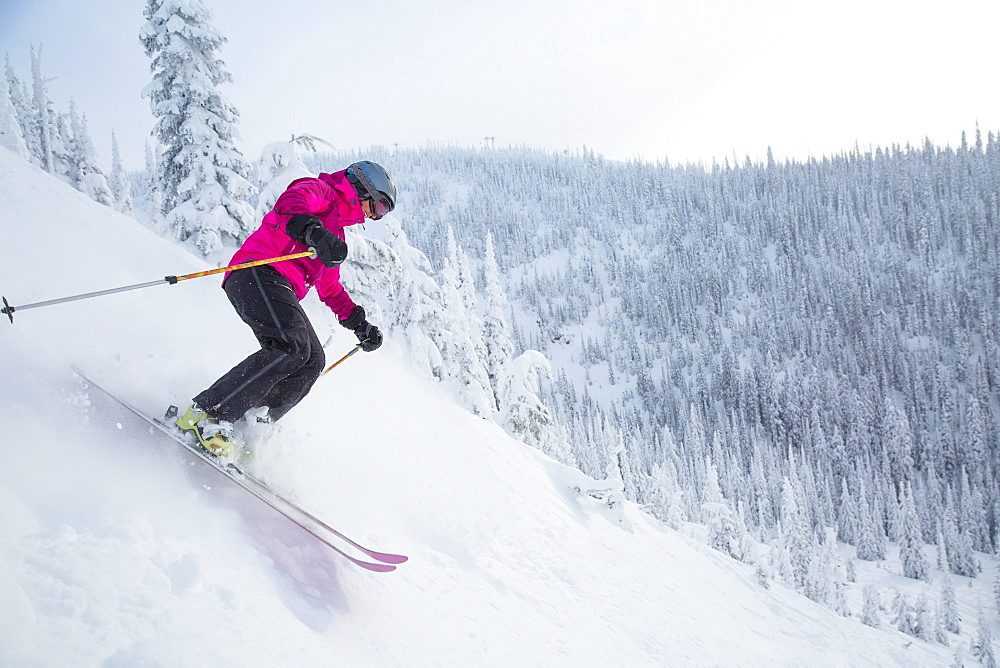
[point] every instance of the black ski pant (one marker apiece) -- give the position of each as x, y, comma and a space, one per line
291, 357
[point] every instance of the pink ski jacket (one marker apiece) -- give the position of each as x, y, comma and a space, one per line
332, 199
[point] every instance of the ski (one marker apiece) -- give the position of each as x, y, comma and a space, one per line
385, 557
305, 520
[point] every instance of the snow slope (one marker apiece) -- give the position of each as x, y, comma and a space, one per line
113, 552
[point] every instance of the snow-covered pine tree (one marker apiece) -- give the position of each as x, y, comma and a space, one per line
496, 327
996, 587
154, 193
462, 363
823, 576
11, 136
932, 506
417, 310
870, 611
43, 116
851, 571
974, 449
903, 616
762, 501
848, 523
940, 633
897, 438
727, 531
628, 462
996, 525
88, 176
20, 100
64, 146
663, 495
724, 532
121, 191
780, 560
583, 443
748, 546
694, 444
973, 512
470, 299
66, 153
871, 539
711, 490
911, 547
982, 644
950, 618
798, 539
961, 557
203, 176
524, 416
923, 619
942, 551
839, 602
612, 488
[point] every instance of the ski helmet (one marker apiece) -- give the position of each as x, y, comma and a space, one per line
374, 183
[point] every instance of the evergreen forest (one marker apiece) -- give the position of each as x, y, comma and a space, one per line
825, 330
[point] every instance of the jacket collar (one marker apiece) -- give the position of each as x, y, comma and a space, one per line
338, 181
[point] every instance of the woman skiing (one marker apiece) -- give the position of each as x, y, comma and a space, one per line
311, 214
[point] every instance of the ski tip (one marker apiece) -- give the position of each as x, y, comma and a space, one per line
390, 558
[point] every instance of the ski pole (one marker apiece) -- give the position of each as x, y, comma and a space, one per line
8, 310
332, 366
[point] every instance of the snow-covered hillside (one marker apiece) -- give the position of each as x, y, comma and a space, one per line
113, 553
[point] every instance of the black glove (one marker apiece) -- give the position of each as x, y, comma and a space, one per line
369, 336
330, 249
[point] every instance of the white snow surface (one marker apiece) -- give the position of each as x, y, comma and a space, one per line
114, 552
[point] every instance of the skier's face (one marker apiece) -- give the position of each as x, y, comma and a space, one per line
376, 208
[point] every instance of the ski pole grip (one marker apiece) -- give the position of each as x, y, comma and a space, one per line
314, 255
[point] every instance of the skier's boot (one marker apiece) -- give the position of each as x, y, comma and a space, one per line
212, 434
250, 433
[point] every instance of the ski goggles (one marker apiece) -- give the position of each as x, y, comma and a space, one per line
380, 206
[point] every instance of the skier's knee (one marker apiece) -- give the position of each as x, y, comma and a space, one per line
297, 353
317, 361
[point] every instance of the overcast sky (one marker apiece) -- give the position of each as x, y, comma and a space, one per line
684, 80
